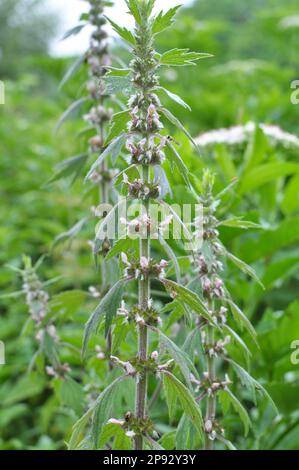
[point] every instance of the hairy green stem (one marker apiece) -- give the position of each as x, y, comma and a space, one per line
211, 400
144, 297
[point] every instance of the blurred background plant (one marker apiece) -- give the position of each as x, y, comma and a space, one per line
255, 46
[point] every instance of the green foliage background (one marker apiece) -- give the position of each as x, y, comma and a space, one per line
248, 79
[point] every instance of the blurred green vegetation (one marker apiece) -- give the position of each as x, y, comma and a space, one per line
255, 60
25, 31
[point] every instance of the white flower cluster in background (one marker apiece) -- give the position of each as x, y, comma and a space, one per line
289, 22
241, 134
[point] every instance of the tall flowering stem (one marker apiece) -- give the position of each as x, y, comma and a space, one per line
219, 330
146, 124
209, 268
99, 59
37, 300
140, 131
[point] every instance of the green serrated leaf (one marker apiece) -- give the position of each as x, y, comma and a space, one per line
134, 10
118, 84
171, 398
122, 245
164, 20
123, 32
193, 344
237, 339
182, 57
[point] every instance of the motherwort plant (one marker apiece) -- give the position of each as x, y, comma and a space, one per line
37, 300
215, 387
98, 59
140, 130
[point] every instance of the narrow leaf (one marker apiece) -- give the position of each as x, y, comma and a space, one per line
241, 319
102, 410
79, 428
71, 233
187, 401
177, 99
238, 222
177, 160
188, 297
108, 306
69, 113
174, 120
245, 268
251, 383
71, 166
172, 256
161, 179
72, 70
181, 358
113, 149
74, 31
239, 408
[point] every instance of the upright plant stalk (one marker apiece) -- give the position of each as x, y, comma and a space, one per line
211, 400
216, 331
37, 300
98, 59
140, 129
